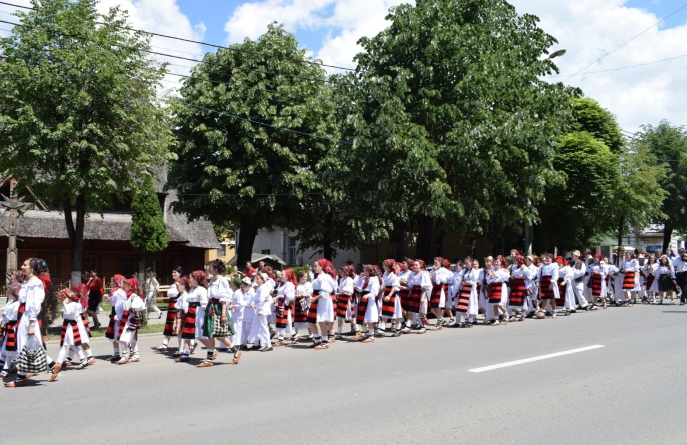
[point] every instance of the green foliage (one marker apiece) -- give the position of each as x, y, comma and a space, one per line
233, 171
574, 213
597, 121
456, 125
298, 269
668, 144
148, 229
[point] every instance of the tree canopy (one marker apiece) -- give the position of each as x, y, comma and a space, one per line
148, 229
78, 111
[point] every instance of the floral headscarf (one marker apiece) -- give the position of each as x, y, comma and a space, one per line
391, 264
327, 267
40, 270
66, 293
349, 271
200, 278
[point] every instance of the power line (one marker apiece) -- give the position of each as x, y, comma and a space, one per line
626, 67
618, 47
630, 86
212, 45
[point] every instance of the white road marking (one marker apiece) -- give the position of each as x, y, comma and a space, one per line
535, 359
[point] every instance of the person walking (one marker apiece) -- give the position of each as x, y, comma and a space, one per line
151, 287
95, 296
680, 265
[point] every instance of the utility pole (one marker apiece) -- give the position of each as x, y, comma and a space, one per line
13, 205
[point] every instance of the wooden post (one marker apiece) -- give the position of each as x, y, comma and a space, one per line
12, 235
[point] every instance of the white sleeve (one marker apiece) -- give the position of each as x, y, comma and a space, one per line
347, 287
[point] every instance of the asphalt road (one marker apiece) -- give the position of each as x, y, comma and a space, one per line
412, 389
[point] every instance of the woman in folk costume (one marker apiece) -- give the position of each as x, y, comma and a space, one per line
533, 264
172, 295
566, 295
391, 302
497, 277
453, 291
548, 287
517, 299
117, 297
195, 301
484, 290
629, 268
129, 324
598, 281
368, 313
466, 300
217, 323
34, 290
70, 335
182, 287
589, 262
420, 285
437, 302
321, 310
404, 291
345, 303
301, 305
650, 276
286, 294
84, 331
612, 273
579, 272
665, 277
450, 293
8, 337
262, 306
248, 311
237, 305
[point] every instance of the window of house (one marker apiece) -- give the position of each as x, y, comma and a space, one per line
222, 251
265, 251
293, 251
53, 260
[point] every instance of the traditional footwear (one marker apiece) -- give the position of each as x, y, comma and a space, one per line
437, 327
554, 315
267, 349
314, 345
322, 346
134, 359
176, 354
237, 357
338, 337
279, 343
123, 361
215, 354
204, 364
405, 331
368, 340
114, 358
193, 348
496, 323
182, 359
422, 331
33, 374
332, 339
15, 384
66, 364
55, 371
397, 334
159, 348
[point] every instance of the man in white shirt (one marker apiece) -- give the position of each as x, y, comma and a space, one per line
680, 265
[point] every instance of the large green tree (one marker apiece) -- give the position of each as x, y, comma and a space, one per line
668, 144
77, 109
251, 173
458, 125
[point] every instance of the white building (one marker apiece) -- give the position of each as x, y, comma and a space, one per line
283, 244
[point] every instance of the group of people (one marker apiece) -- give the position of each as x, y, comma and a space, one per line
231, 313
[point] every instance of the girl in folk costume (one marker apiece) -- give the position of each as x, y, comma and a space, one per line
380, 327
321, 309
172, 311
8, 338
237, 305
665, 277
589, 262
566, 295
437, 301
248, 311
262, 306
640, 282
301, 305
195, 301
629, 268
70, 336
391, 302
612, 273
484, 290
345, 303
129, 324
32, 293
450, 293
650, 276
182, 287
517, 299
498, 290
598, 281
285, 297
404, 291
547, 280
579, 272
117, 297
217, 323
453, 291
420, 285
466, 304
533, 264
82, 293
368, 314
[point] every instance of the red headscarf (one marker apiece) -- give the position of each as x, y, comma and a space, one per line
135, 288
200, 278
501, 261
327, 267
118, 280
391, 264
599, 257
349, 271
520, 259
184, 281
562, 261
270, 273
66, 293
290, 277
377, 269
423, 266
446, 263
82, 292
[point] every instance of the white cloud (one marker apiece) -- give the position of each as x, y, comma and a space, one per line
586, 28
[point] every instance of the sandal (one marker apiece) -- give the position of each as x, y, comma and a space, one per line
123, 361
368, 340
322, 346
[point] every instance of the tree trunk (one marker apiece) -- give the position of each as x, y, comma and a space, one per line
426, 238
141, 269
248, 230
327, 250
621, 230
667, 234
75, 231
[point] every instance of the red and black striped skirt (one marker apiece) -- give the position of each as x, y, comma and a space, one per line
414, 299
596, 285
282, 316
342, 305
495, 293
171, 317
312, 312
389, 307
188, 329
84, 319
649, 281
9, 333
73, 325
403, 295
545, 289
518, 291
435, 297
560, 301
110, 332
464, 298
300, 314
629, 281
122, 323
362, 308
20, 311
